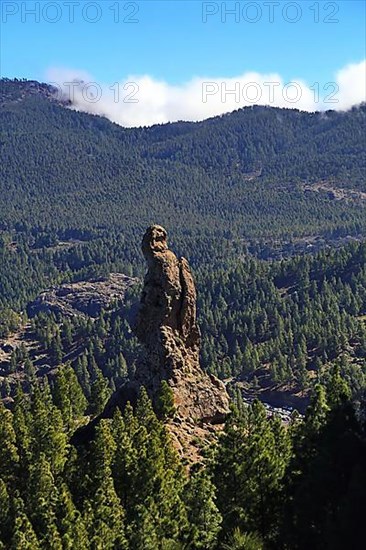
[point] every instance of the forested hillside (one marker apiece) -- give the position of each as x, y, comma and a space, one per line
77, 190
268, 205
273, 326
241, 175
265, 486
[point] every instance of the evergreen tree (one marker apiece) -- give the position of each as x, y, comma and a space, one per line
249, 471
99, 393
203, 515
5, 523
329, 450
165, 407
68, 396
41, 503
22, 426
108, 514
70, 523
24, 537
48, 435
9, 457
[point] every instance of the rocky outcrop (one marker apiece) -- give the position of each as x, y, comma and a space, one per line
169, 296
83, 297
166, 326
167, 329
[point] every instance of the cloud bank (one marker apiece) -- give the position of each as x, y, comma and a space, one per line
144, 101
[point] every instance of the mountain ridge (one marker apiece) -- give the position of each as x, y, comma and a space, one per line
239, 175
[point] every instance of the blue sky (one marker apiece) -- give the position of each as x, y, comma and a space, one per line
175, 41
170, 40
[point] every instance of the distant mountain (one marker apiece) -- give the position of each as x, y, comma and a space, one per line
259, 172
15, 91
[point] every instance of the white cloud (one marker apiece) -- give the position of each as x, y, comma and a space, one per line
143, 100
352, 85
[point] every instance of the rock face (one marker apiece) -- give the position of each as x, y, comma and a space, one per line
84, 297
169, 296
166, 326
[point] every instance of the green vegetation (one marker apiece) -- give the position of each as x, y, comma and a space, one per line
127, 489
231, 177
291, 317
266, 323
165, 401
77, 194
266, 485
294, 487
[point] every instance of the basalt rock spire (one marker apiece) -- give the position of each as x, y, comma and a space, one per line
166, 326
167, 329
168, 299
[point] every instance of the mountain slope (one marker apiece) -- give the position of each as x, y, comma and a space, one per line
241, 174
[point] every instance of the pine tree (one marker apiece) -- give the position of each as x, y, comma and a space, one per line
24, 536
30, 371
165, 407
249, 469
68, 396
22, 422
83, 376
108, 518
5, 523
99, 393
67, 333
70, 523
41, 503
56, 349
142, 532
226, 471
149, 476
337, 390
9, 457
124, 463
317, 412
329, 449
48, 434
203, 515
108, 514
